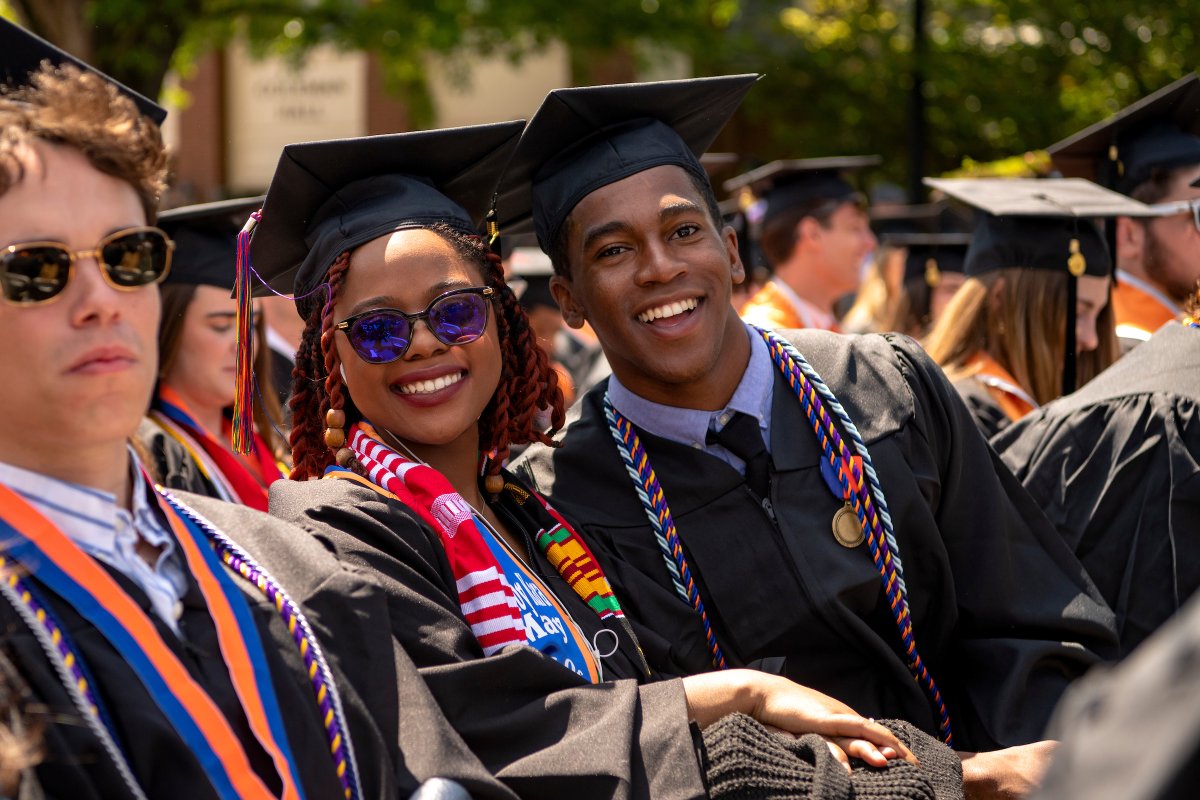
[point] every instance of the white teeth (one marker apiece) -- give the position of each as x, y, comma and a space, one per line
431, 386
669, 310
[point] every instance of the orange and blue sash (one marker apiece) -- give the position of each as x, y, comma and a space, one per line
57, 563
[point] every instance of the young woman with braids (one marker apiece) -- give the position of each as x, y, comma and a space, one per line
417, 371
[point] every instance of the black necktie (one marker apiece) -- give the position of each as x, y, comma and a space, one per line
742, 437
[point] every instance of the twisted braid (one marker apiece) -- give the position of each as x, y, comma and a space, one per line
317, 383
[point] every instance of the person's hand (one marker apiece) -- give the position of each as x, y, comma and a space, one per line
1005, 774
779, 703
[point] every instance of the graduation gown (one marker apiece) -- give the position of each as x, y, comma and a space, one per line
341, 606
1133, 732
992, 395
1116, 467
533, 723
1003, 614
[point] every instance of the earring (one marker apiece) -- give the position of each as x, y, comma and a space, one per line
335, 435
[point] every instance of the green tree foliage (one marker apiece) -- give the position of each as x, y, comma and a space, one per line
1001, 76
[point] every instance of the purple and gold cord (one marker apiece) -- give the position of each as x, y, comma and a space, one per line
319, 674
69, 666
876, 523
860, 488
645, 482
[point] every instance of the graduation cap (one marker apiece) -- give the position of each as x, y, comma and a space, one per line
24, 52
585, 138
205, 237
889, 221
1161, 131
929, 255
788, 183
533, 271
332, 196
1041, 224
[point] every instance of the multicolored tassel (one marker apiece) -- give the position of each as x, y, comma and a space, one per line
243, 398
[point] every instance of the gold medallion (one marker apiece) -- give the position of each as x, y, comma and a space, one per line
846, 527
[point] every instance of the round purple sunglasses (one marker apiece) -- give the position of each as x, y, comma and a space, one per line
382, 335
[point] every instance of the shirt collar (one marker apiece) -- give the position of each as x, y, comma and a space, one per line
87, 515
690, 426
810, 315
1146, 288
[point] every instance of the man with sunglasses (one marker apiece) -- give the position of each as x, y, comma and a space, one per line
163, 657
1151, 152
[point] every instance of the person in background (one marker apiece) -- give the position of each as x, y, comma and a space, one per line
815, 235
1149, 151
197, 345
1034, 307
1116, 467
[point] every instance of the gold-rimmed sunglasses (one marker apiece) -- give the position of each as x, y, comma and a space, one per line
37, 272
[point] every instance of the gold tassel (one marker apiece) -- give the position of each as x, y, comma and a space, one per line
1076, 264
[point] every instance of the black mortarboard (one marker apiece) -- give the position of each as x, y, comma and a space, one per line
928, 218
583, 139
332, 196
24, 52
1041, 224
1161, 131
792, 182
205, 239
928, 255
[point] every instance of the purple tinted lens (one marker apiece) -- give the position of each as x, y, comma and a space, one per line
459, 318
380, 337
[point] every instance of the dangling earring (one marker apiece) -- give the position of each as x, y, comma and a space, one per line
335, 435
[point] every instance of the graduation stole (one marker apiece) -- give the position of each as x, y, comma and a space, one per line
485, 597
50, 556
1191, 322
233, 479
849, 470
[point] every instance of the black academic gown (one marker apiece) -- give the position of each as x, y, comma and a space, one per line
988, 415
533, 723
1004, 615
1116, 467
1133, 732
337, 601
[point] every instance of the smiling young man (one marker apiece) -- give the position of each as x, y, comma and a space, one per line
163, 657
949, 602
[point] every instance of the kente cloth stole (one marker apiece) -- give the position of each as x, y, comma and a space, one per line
218, 464
850, 475
484, 594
